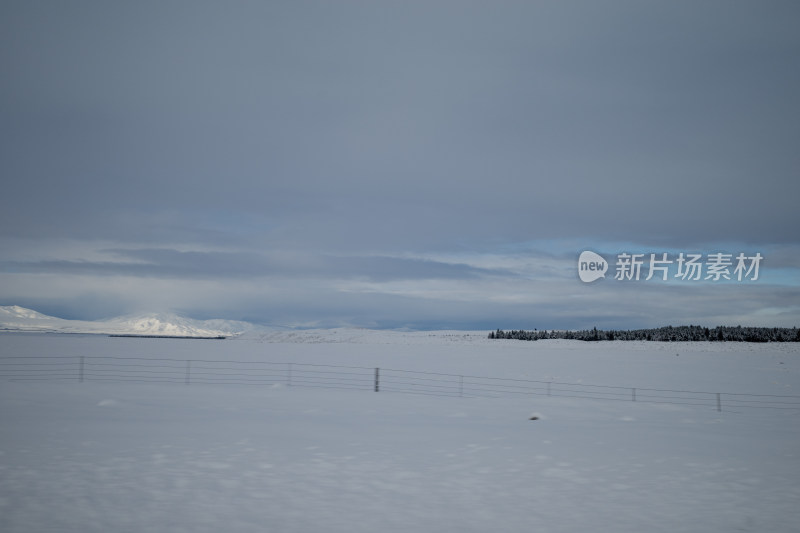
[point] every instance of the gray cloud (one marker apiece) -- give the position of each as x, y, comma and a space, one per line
347, 123
166, 263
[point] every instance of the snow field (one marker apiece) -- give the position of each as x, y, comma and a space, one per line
168, 457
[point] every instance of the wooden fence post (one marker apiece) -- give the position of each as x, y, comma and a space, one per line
377, 379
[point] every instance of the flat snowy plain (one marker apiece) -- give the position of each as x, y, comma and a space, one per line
169, 457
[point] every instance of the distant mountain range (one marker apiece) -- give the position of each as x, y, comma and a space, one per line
15, 318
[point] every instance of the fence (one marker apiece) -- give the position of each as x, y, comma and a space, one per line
195, 371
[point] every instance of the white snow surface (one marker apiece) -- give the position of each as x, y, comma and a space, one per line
130, 457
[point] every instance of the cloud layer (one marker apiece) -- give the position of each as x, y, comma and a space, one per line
418, 163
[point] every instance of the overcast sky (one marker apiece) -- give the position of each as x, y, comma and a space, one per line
398, 164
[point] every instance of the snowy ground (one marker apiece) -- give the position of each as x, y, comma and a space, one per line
123, 457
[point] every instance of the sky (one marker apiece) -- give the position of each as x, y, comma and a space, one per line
416, 165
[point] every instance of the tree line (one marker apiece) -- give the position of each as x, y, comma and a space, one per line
668, 334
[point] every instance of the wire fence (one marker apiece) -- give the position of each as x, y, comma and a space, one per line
263, 373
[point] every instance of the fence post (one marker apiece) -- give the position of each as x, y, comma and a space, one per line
719, 402
289, 375
461, 386
80, 370
188, 370
377, 379
548, 388
633, 395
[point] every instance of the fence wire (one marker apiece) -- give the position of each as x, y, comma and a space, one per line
267, 373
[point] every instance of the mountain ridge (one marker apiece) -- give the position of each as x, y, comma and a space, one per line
14, 318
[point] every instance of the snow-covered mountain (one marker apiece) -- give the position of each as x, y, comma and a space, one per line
166, 324
16, 318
